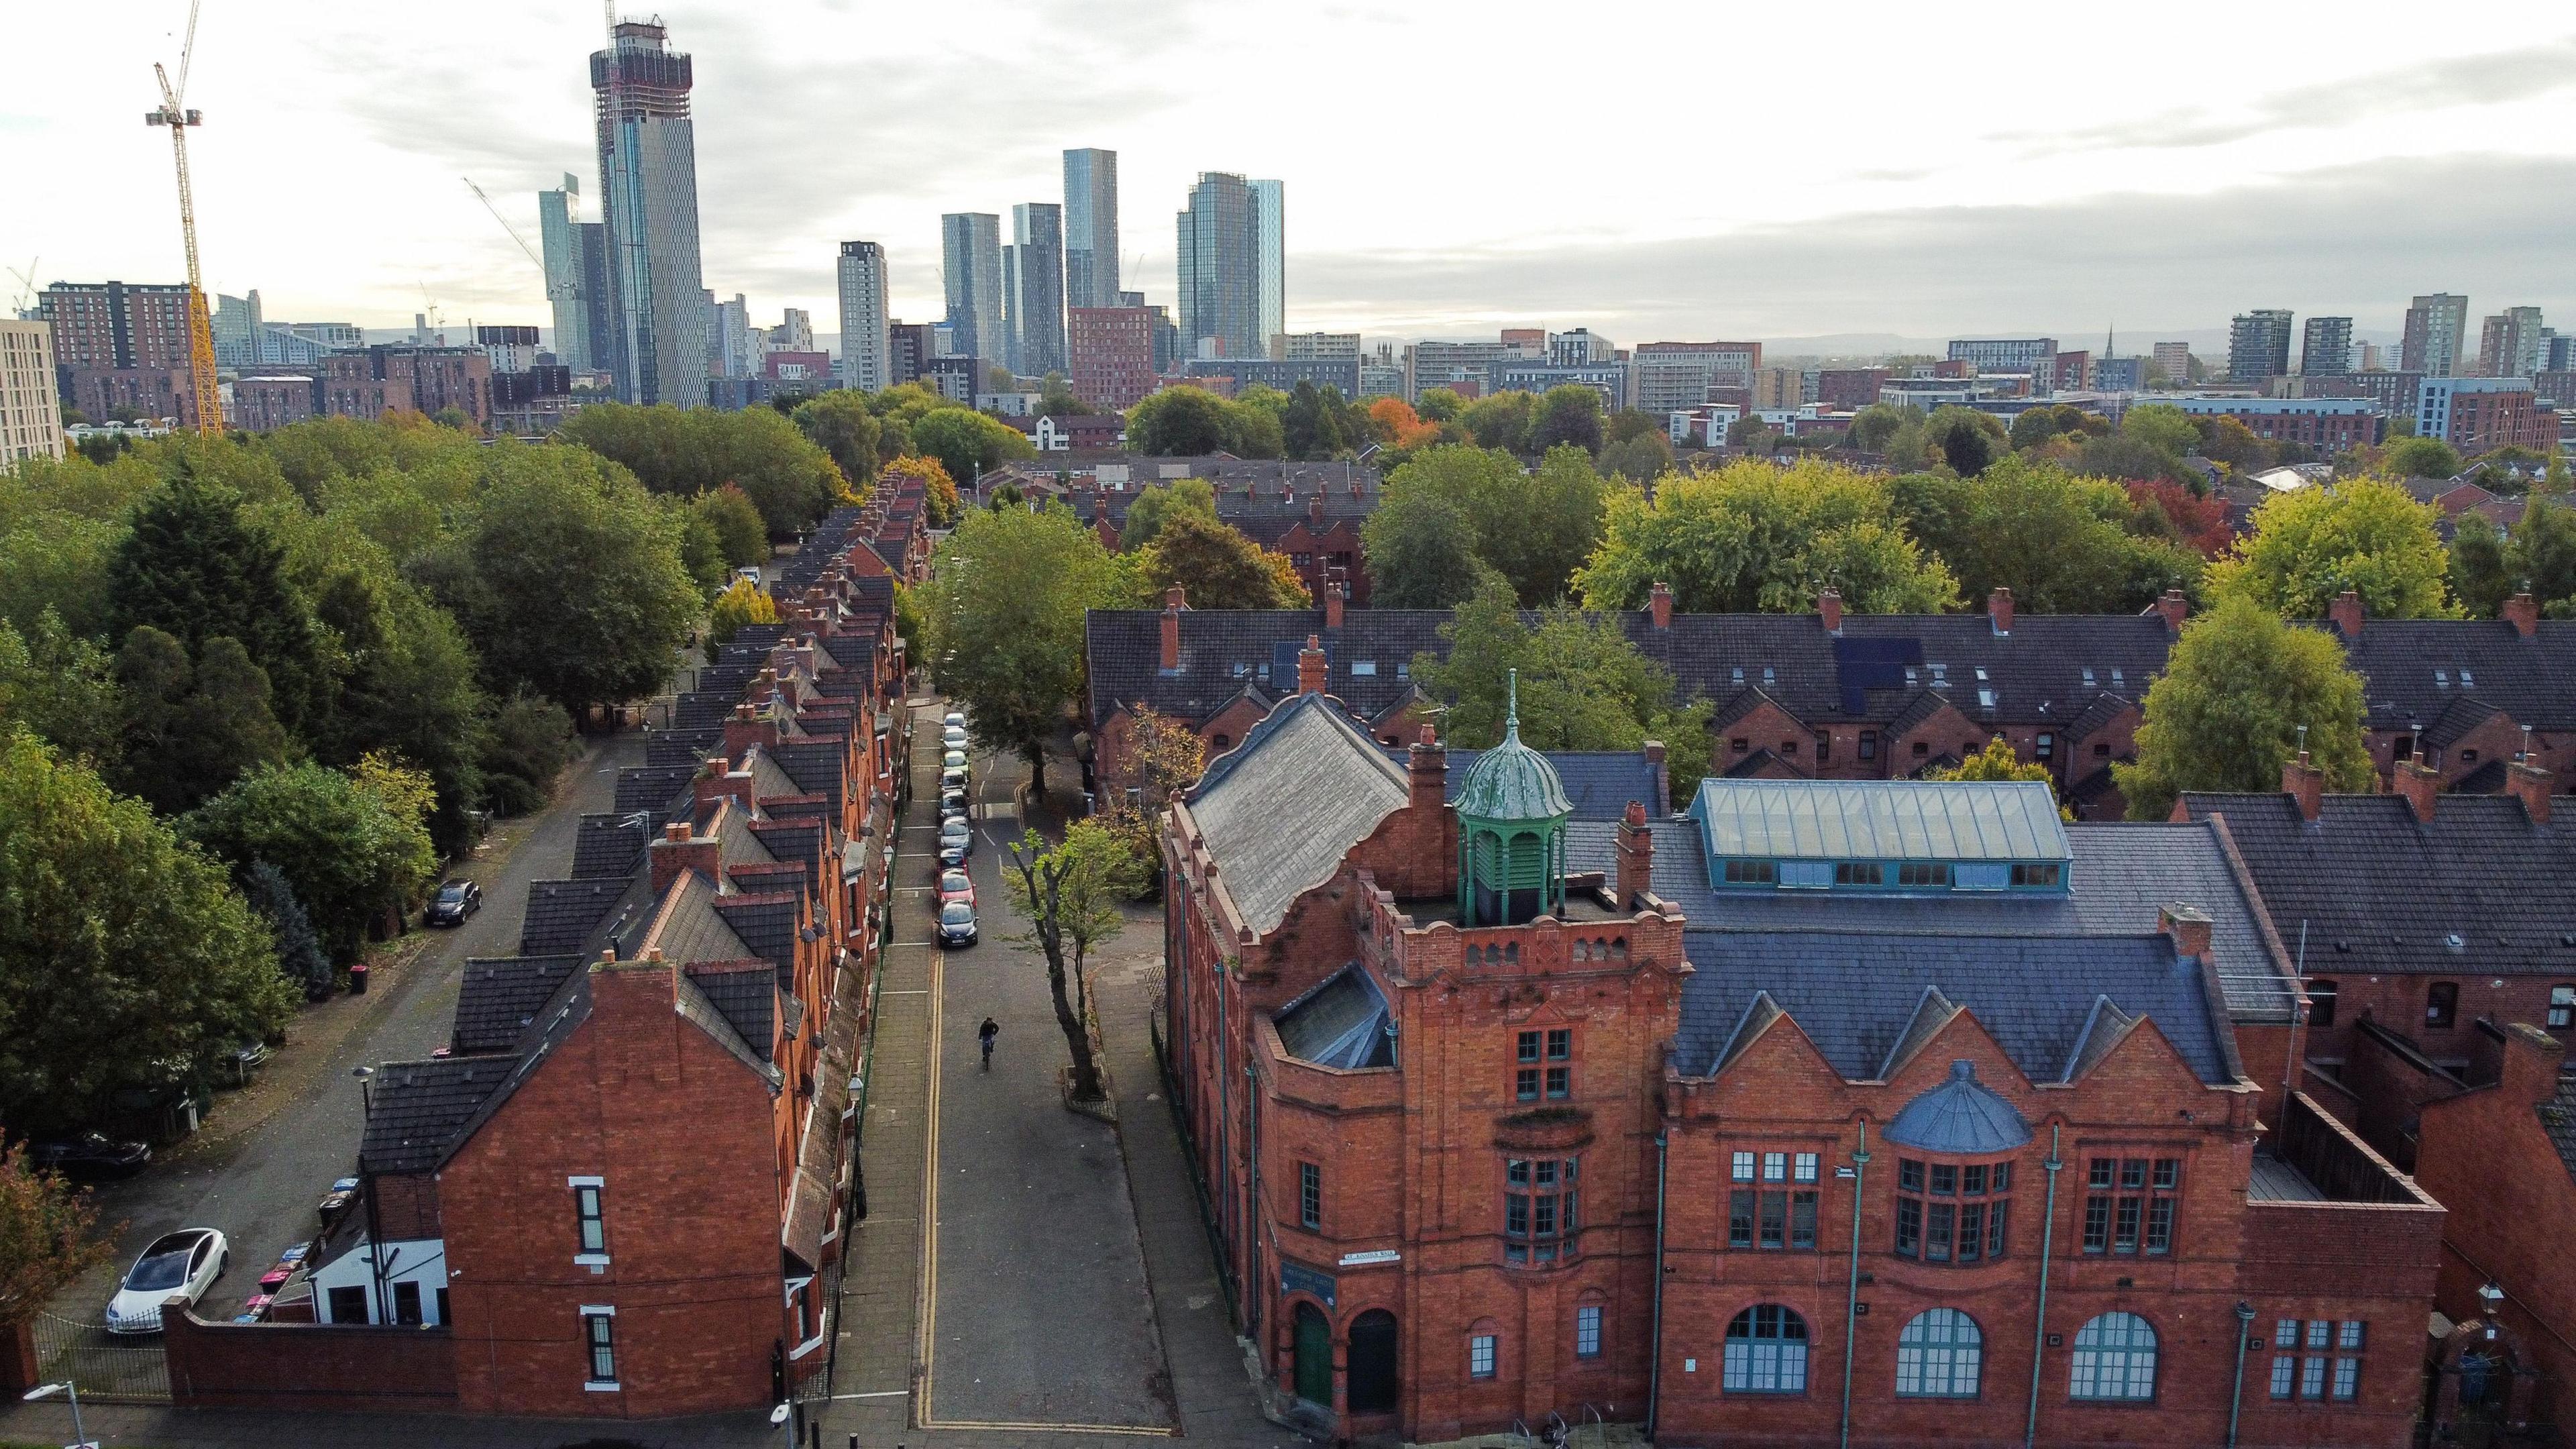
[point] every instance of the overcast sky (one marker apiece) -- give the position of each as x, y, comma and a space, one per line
1652, 170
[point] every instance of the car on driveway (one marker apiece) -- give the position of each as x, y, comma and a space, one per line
956, 924
956, 885
183, 1264
956, 842
455, 901
89, 1154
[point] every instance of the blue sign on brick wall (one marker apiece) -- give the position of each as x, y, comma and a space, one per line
1297, 1278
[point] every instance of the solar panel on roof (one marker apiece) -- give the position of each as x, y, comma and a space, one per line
1867, 664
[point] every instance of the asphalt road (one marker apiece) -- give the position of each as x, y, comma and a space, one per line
261, 1187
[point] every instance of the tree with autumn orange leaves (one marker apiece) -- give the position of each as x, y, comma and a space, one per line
1399, 427
941, 490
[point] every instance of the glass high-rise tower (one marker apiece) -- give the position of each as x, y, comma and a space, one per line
1091, 228
1269, 214
1220, 263
1037, 288
562, 238
970, 267
648, 168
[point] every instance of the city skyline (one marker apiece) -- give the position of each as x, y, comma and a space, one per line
2179, 205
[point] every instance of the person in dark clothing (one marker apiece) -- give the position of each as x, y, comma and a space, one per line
985, 1034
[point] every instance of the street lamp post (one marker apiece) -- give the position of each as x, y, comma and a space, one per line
80, 1438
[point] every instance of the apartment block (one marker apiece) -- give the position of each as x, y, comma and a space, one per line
31, 414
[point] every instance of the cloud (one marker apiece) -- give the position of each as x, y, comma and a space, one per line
2357, 240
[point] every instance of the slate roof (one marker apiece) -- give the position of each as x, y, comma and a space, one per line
692, 1003
1339, 1022
608, 844
1881, 819
1599, 782
501, 997
746, 996
1280, 810
1855, 992
2478, 889
569, 915
2533, 679
688, 927
766, 923
419, 1113
1962, 1117
657, 788
2120, 877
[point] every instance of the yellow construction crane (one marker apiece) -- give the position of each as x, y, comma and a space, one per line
201, 325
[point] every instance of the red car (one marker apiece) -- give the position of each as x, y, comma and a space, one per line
956, 885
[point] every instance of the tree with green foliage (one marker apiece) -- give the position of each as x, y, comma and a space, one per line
1570, 414
1750, 536
1421, 552
1218, 567
528, 744
740, 534
1502, 420
2311, 544
125, 956
742, 602
300, 957
1310, 429
1535, 529
1874, 425
1056, 399
1152, 505
1439, 405
2489, 566
2242, 693
685, 452
1966, 439
1583, 686
969, 444
1004, 614
1639, 459
196, 567
1070, 895
841, 423
351, 853
1998, 762
190, 728
1178, 422
57, 562
2419, 458
408, 683
62, 689
2167, 429
2060, 543
570, 584
2478, 575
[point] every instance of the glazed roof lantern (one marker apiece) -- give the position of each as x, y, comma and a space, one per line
1512, 782
1512, 810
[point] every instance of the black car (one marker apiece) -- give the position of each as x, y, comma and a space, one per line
91, 1154
956, 842
454, 902
951, 780
956, 924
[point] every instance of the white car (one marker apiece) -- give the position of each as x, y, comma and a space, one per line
183, 1264
954, 720
953, 737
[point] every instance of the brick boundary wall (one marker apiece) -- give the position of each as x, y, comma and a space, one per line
308, 1366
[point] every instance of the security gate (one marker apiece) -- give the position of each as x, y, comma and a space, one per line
102, 1366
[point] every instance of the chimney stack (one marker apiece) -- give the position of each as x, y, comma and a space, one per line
2189, 927
1636, 856
2529, 784
2523, 613
2307, 784
2420, 785
1336, 590
1663, 778
1660, 599
1312, 674
1174, 601
680, 851
1426, 772
746, 729
1999, 608
2175, 607
1315, 514
2346, 613
1829, 607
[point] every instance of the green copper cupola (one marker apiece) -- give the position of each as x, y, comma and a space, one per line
1511, 831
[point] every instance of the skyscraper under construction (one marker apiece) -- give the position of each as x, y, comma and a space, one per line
648, 171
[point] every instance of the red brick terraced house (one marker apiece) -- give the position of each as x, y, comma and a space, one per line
1880, 1109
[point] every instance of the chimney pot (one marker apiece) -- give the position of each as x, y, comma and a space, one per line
1829, 608
1660, 599
1999, 608
2529, 784
1335, 593
2420, 785
1175, 598
677, 830
2347, 613
2175, 606
2307, 784
1426, 771
2523, 613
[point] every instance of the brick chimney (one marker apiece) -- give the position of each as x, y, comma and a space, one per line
1663, 805
718, 780
2523, 613
1999, 608
1636, 856
1335, 591
678, 851
1829, 608
1312, 673
2529, 784
2420, 785
1660, 599
747, 729
2175, 606
2189, 927
1174, 601
1426, 772
2305, 783
2529, 1071
1315, 515
2346, 613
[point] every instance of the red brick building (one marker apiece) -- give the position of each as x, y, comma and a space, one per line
1110, 351
1848, 389
1507, 1119
373, 381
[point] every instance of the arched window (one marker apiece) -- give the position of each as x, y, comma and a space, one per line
2115, 1358
1766, 1351
1938, 1355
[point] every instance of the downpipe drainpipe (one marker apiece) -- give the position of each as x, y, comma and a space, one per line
1252, 1216
2047, 1248
1655, 1365
1851, 1289
2236, 1398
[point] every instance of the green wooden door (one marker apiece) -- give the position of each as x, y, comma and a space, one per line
1314, 1357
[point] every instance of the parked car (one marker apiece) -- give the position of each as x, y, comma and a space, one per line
956, 924
455, 900
953, 737
955, 718
956, 885
749, 574
953, 802
90, 1154
183, 1264
956, 842
952, 780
